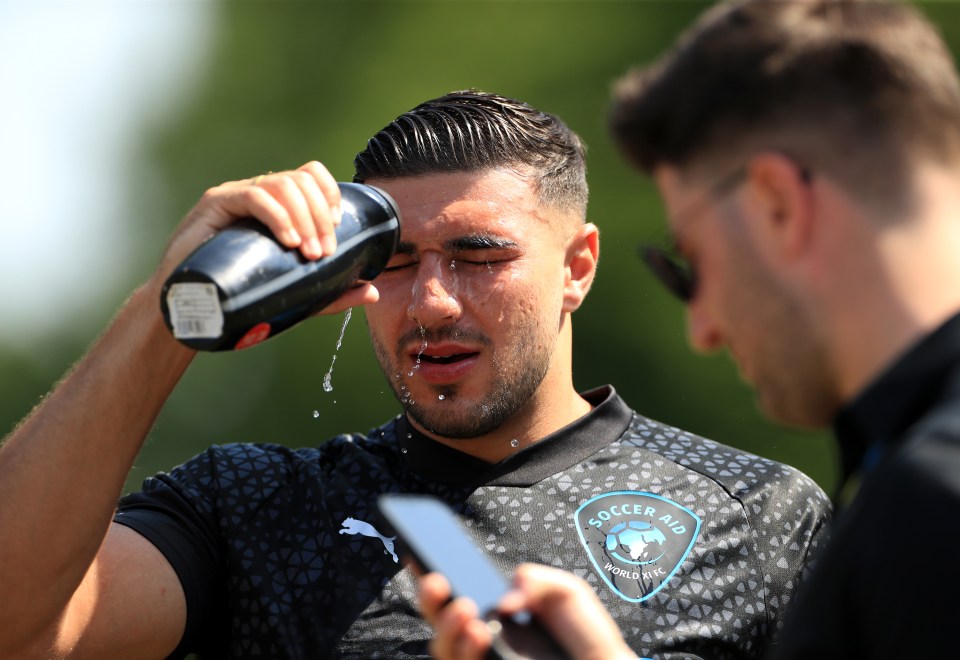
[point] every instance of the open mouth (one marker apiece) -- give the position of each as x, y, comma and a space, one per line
444, 364
446, 359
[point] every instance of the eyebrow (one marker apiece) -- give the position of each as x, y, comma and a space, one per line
465, 244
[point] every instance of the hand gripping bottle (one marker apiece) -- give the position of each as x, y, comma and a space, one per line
241, 286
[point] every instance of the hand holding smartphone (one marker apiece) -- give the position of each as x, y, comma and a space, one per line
434, 539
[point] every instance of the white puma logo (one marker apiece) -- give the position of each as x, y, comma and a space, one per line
354, 526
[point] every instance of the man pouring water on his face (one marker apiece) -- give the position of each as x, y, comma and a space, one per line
261, 550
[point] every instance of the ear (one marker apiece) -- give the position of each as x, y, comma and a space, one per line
582, 254
780, 192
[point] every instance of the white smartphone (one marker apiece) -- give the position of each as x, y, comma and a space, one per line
434, 539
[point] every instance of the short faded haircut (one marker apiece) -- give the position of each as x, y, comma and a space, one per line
856, 89
472, 131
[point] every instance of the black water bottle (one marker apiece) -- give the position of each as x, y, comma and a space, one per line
242, 286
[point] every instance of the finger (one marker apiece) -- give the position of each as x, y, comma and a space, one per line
542, 583
328, 214
434, 594
327, 184
513, 601
543, 589
356, 296
287, 190
474, 641
571, 610
311, 199
319, 220
459, 634
249, 200
447, 624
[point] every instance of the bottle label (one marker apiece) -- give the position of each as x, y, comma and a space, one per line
195, 310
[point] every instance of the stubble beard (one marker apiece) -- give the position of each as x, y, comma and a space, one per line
791, 374
795, 388
517, 376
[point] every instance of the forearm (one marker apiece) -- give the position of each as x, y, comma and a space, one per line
62, 469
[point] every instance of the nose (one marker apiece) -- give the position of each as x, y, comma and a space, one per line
435, 295
702, 329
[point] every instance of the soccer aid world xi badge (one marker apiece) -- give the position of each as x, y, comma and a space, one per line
636, 541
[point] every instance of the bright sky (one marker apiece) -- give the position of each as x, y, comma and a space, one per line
78, 81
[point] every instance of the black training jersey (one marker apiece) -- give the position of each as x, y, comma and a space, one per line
696, 548
886, 586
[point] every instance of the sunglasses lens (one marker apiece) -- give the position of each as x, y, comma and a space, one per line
672, 272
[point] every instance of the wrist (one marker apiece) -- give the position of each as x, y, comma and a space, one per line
146, 316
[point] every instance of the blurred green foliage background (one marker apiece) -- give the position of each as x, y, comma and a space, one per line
290, 81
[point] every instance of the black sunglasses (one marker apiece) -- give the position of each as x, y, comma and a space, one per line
671, 268
674, 272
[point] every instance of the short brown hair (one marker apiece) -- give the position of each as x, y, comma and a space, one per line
469, 131
856, 88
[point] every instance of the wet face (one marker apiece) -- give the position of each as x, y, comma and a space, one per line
471, 305
741, 303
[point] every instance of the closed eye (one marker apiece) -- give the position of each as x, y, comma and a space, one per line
392, 269
405, 257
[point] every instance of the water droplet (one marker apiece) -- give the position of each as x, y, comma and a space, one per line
328, 377
409, 435
514, 443
316, 413
343, 328
453, 265
403, 450
441, 397
485, 408
423, 347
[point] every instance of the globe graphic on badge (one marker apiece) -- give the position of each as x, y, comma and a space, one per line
635, 542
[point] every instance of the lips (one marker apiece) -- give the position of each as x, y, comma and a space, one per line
446, 359
446, 363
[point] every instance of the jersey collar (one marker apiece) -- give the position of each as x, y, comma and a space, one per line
570, 445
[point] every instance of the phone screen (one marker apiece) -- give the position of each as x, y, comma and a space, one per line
438, 542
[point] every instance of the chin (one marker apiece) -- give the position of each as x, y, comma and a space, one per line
797, 413
456, 419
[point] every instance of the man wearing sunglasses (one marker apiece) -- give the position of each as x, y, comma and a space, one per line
808, 155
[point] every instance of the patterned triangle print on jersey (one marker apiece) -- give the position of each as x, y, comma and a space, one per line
636, 541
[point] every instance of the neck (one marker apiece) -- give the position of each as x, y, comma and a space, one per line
907, 273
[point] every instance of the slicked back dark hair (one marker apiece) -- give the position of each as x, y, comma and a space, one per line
857, 88
472, 131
